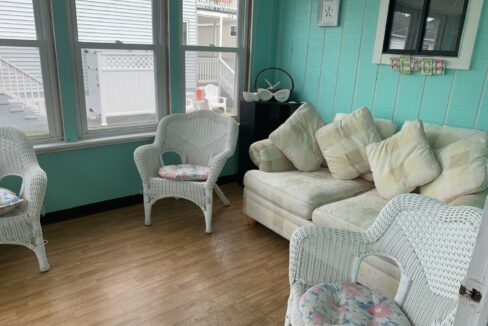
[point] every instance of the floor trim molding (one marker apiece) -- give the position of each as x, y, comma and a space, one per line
108, 205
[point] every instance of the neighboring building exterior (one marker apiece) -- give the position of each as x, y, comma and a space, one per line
202, 19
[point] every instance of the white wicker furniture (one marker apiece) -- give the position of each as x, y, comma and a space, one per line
203, 138
215, 101
431, 242
22, 225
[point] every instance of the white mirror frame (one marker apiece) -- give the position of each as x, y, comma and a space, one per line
466, 47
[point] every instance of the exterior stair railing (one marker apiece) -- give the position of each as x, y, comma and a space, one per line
22, 87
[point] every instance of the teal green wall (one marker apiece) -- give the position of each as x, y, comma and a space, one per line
85, 176
333, 69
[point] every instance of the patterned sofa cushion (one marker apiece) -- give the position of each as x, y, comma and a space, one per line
302, 192
296, 138
386, 128
441, 136
403, 162
268, 157
464, 169
343, 144
354, 214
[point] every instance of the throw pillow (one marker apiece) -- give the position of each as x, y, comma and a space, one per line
8, 201
343, 144
402, 162
386, 128
296, 138
268, 157
464, 169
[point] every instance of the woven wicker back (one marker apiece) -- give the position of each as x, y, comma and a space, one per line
196, 136
16, 152
433, 244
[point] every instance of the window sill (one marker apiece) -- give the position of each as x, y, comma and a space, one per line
89, 143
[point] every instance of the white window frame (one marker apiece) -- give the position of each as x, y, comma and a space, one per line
45, 43
239, 50
160, 73
187, 24
466, 46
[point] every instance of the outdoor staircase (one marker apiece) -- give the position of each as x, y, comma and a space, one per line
14, 111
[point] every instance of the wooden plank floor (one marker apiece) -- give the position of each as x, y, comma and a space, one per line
109, 269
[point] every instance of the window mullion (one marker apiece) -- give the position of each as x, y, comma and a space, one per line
423, 24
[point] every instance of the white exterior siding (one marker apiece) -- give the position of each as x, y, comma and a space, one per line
108, 21
190, 16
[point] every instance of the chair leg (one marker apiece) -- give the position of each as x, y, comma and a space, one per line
208, 212
147, 211
221, 196
40, 252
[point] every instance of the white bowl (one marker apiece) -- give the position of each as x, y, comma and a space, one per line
250, 96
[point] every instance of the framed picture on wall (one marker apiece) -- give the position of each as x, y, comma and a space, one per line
328, 14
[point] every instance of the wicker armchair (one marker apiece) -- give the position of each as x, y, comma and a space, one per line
202, 137
431, 242
22, 226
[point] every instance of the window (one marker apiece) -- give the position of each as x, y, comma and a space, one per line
28, 92
119, 64
425, 27
213, 56
233, 30
428, 28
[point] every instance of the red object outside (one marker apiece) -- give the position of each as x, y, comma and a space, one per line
199, 94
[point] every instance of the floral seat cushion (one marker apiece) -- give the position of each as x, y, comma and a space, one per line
8, 201
184, 172
349, 304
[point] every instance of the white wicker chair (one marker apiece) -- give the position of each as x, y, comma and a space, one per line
202, 137
431, 242
22, 226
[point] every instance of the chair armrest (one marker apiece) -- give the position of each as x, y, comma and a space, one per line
224, 100
148, 161
476, 200
319, 254
268, 157
34, 185
216, 166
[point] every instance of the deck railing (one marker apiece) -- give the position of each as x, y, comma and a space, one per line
22, 87
229, 6
216, 70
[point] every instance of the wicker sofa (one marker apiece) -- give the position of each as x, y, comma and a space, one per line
285, 201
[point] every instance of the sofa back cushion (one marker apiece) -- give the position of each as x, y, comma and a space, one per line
343, 144
296, 138
441, 136
464, 169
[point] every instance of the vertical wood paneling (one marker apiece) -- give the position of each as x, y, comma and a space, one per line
316, 43
366, 73
333, 70
410, 92
348, 62
300, 43
386, 92
436, 97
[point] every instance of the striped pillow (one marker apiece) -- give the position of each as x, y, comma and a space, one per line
402, 162
343, 144
464, 169
296, 138
268, 157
